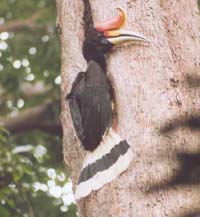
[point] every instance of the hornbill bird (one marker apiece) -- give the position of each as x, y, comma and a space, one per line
90, 102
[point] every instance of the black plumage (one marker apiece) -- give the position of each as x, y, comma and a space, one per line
90, 105
90, 98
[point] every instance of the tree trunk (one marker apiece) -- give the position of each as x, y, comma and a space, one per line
158, 107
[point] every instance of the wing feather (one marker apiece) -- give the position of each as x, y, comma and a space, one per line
78, 84
90, 106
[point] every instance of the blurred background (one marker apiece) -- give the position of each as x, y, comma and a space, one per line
33, 182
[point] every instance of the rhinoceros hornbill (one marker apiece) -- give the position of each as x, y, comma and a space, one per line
90, 102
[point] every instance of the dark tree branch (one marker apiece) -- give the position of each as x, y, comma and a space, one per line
43, 117
28, 90
18, 25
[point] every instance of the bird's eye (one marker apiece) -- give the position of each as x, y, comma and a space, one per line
99, 34
104, 41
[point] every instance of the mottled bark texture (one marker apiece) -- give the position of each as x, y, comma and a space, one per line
158, 106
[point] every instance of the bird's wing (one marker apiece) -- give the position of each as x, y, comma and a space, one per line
90, 106
96, 116
74, 107
77, 119
95, 106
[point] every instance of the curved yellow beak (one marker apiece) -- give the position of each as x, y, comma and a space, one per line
123, 36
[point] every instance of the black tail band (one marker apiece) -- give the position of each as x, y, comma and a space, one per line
105, 162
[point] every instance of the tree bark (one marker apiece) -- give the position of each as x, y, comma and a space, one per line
153, 93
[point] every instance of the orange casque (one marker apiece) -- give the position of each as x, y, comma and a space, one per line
114, 24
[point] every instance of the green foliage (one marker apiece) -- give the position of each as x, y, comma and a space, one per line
30, 56
17, 168
36, 51
23, 168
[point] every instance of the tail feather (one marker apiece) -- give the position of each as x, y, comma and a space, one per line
104, 164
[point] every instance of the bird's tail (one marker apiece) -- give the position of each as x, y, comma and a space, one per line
104, 164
